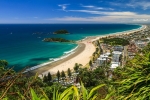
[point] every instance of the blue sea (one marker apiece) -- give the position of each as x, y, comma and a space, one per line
22, 46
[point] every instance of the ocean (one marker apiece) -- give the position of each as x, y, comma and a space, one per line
22, 46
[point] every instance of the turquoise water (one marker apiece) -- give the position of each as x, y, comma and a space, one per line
22, 46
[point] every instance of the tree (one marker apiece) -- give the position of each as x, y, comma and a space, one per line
63, 75
76, 67
69, 72
3, 63
133, 80
49, 77
45, 78
90, 63
58, 75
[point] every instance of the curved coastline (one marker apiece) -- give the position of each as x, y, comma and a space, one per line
44, 68
50, 65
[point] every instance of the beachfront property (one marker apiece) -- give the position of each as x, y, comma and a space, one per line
102, 60
115, 59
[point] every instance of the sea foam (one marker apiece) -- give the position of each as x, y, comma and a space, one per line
67, 53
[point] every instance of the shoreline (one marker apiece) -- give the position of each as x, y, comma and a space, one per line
53, 67
78, 50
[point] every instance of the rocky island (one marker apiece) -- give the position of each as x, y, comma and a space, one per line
57, 40
61, 32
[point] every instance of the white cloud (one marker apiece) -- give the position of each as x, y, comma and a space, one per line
90, 6
104, 12
63, 6
107, 14
106, 19
139, 20
144, 4
96, 8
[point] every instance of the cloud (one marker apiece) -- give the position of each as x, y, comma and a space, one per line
139, 20
101, 14
63, 6
144, 4
90, 6
104, 12
106, 19
96, 8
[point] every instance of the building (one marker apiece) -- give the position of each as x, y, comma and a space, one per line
114, 65
118, 48
115, 56
132, 49
115, 59
102, 60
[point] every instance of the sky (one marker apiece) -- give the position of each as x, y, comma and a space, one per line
74, 11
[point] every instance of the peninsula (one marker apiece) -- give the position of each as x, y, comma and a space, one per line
61, 32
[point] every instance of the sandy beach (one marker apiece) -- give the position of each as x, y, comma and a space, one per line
81, 55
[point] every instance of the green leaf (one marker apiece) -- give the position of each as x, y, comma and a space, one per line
33, 94
22, 97
94, 89
84, 92
54, 94
76, 93
65, 93
43, 93
5, 99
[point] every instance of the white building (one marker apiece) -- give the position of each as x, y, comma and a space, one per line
102, 60
114, 65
